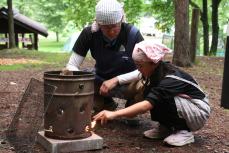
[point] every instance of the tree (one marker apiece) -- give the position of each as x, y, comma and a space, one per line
53, 16
133, 10
26, 7
2, 3
181, 55
194, 33
163, 12
204, 20
12, 43
80, 12
215, 27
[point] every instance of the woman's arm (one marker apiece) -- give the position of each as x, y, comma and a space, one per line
131, 111
129, 77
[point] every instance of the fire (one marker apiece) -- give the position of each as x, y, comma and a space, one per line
92, 126
87, 128
93, 123
49, 130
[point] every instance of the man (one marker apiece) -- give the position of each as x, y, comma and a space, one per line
111, 43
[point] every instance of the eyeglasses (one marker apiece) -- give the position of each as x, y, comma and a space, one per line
111, 27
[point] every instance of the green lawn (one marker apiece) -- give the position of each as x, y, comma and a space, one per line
45, 59
47, 45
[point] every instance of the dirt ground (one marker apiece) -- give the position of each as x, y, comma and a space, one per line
120, 137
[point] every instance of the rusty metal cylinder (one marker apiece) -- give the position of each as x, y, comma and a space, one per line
69, 111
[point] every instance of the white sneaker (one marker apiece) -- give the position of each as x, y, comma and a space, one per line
159, 132
180, 138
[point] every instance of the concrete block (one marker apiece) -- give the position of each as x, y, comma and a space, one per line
93, 142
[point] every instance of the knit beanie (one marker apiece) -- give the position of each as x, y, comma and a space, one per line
108, 12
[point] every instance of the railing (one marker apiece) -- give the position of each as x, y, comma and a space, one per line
26, 40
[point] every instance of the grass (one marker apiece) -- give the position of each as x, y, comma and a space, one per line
51, 45
46, 59
50, 54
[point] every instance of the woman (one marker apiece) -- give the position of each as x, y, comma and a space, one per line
172, 96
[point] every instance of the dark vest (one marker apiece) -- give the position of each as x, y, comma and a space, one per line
110, 62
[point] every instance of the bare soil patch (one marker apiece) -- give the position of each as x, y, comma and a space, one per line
11, 61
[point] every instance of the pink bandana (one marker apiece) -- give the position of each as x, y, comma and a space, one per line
147, 51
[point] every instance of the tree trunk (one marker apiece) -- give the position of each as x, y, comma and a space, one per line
205, 27
35, 35
225, 86
11, 25
57, 36
194, 33
215, 27
181, 55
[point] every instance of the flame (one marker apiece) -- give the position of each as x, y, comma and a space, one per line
49, 130
87, 128
92, 126
93, 123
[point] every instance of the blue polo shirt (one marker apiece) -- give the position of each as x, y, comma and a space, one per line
112, 58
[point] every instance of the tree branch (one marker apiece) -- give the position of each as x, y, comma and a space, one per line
193, 4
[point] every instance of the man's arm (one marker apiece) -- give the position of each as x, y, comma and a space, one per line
74, 62
121, 79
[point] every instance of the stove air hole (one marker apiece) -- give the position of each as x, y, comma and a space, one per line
70, 130
82, 108
60, 111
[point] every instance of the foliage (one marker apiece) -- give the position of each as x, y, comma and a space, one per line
57, 14
133, 10
2, 3
223, 16
163, 11
26, 7
53, 15
80, 12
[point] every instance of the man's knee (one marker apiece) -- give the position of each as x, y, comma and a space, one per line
135, 91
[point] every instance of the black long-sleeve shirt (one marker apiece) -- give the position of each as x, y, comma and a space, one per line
163, 89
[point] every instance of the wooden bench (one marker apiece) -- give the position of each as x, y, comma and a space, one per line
3, 46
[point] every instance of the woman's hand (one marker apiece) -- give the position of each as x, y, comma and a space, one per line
131, 111
104, 116
108, 85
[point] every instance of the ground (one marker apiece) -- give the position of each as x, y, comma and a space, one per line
120, 137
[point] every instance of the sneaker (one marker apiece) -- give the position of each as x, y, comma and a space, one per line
180, 138
159, 132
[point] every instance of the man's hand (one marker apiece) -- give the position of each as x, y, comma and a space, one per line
108, 85
104, 116
66, 72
